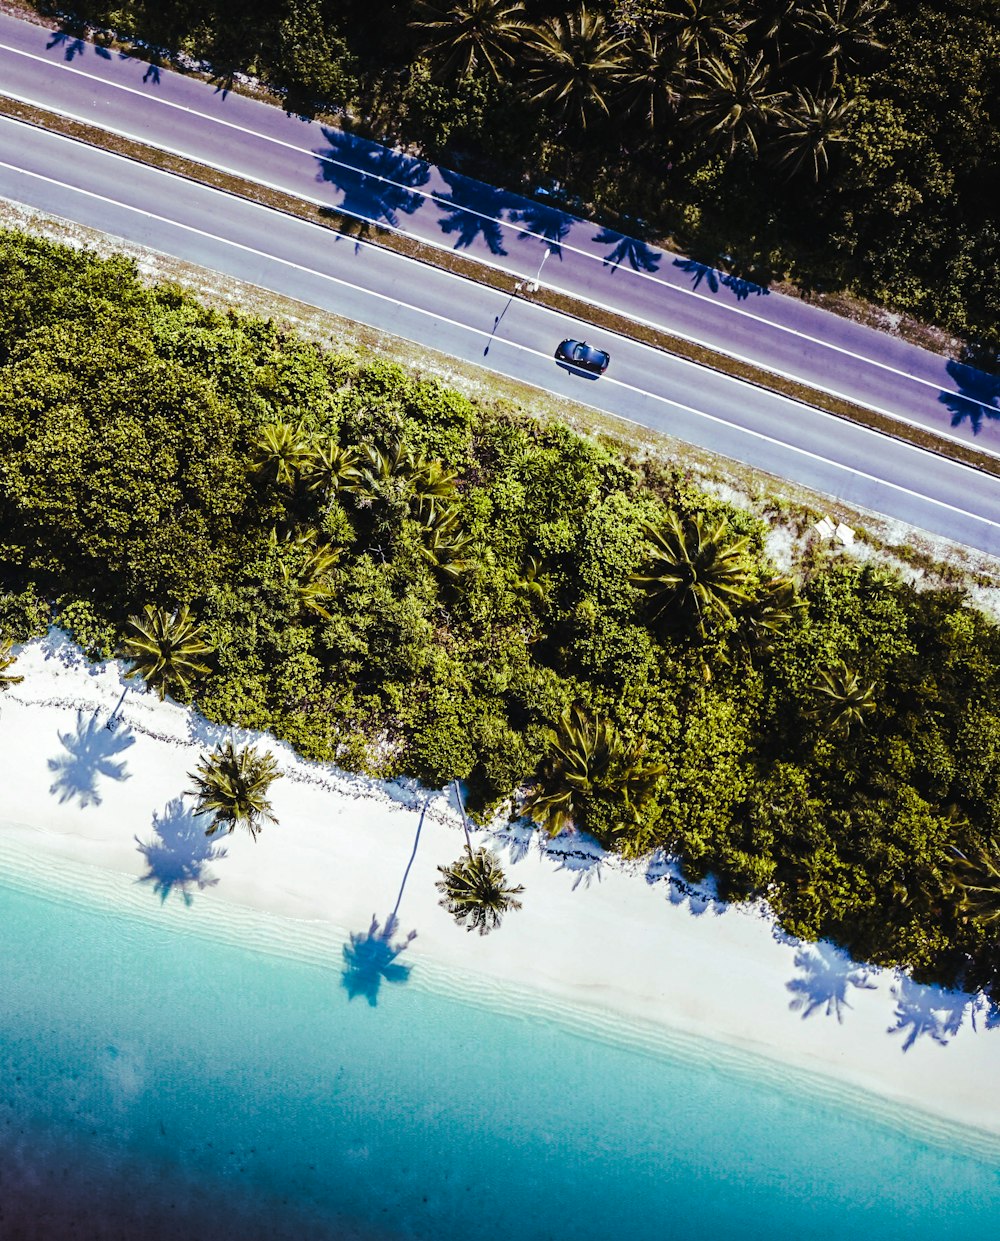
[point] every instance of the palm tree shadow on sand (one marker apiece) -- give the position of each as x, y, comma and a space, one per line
577, 853
90, 753
699, 899
370, 957
932, 1012
827, 973
517, 838
177, 855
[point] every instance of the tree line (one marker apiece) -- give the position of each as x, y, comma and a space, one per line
398, 579
842, 144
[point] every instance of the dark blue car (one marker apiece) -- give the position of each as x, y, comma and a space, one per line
586, 357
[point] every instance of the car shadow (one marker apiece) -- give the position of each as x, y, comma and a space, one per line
575, 370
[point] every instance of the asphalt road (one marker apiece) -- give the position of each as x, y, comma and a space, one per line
264, 144
510, 336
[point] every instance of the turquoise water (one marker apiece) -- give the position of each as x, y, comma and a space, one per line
159, 1083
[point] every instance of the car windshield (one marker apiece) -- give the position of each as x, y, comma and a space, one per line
582, 354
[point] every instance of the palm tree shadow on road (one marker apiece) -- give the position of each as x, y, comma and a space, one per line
474, 210
977, 398
714, 280
377, 183
637, 254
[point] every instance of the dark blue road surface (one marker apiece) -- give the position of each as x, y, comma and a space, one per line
396, 190
508, 335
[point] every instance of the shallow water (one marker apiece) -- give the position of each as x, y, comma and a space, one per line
158, 1079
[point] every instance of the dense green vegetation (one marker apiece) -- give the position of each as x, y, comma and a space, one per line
393, 577
846, 144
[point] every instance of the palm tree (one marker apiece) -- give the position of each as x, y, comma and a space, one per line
434, 487
313, 583
587, 755
977, 875
386, 474
841, 33
937, 883
533, 583
649, 80
772, 607
573, 63
332, 469
700, 27
474, 888
164, 649
231, 785
310, 575
843, 700
7, 660
467, 35
808, 126
769, 20
698, 572
447, 548
282, 453
730, 101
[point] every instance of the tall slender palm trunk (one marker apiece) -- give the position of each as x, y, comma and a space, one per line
465, 821
390, 926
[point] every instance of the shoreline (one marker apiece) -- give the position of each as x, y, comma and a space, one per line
615, 952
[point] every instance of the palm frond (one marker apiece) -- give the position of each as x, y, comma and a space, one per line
475, 892
164, 649
231, 786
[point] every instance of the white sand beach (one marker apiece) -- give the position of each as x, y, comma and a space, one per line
631, 945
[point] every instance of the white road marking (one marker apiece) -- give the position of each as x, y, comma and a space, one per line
440, 245
572, 293
482, 333
726, 306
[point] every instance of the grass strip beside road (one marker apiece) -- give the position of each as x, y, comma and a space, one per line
481, 273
